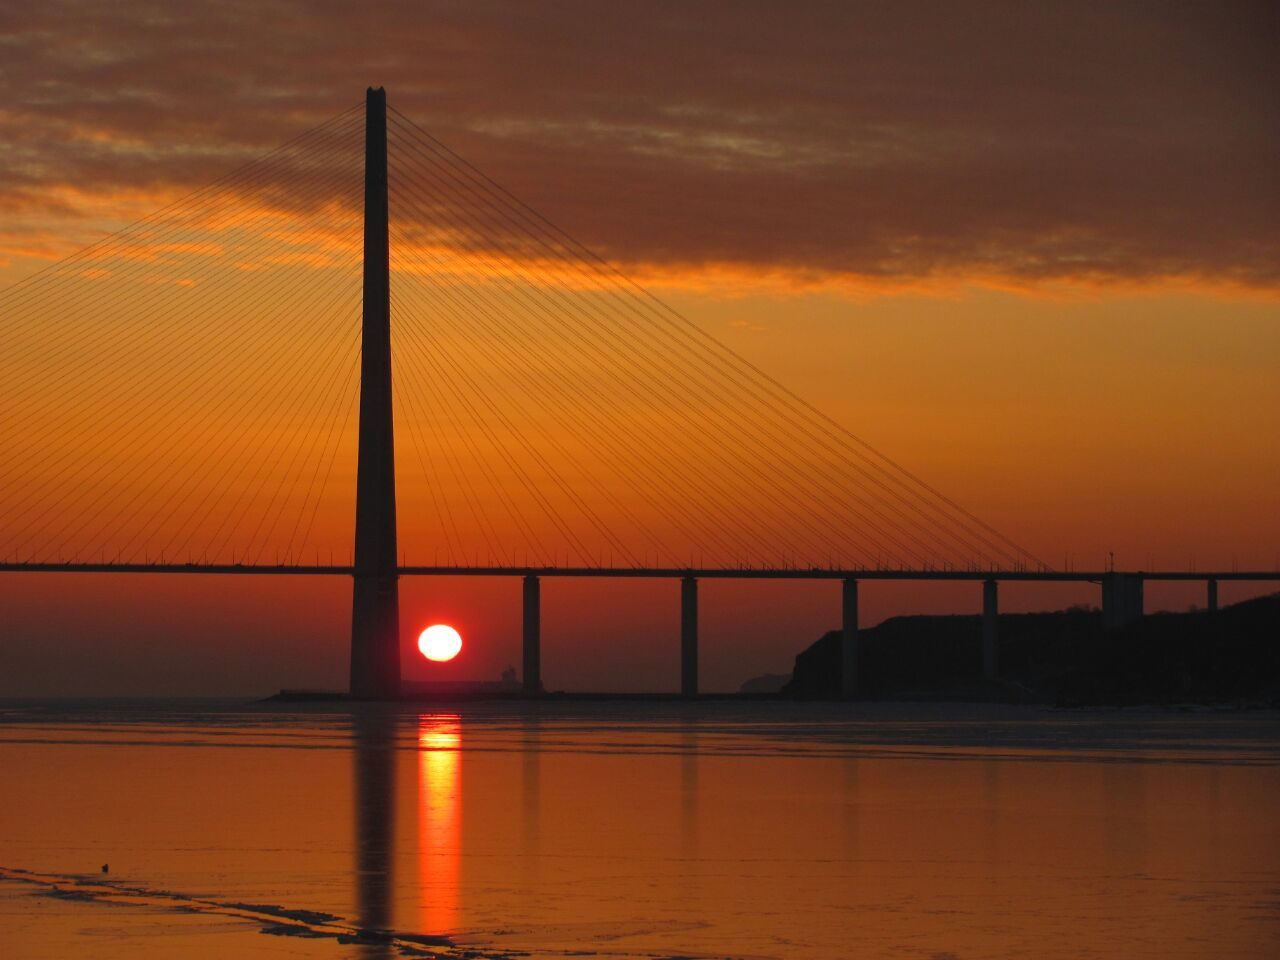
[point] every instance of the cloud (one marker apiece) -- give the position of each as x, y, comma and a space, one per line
1016, 143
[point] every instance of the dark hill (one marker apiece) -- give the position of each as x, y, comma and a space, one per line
1201, 657
1061, 657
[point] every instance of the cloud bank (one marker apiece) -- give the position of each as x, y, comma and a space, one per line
1008, 143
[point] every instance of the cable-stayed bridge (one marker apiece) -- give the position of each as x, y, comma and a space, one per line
202, 391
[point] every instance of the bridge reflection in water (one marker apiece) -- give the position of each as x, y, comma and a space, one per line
431, 833
729, 833
374, 794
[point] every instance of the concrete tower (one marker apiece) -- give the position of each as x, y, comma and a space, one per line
375, 605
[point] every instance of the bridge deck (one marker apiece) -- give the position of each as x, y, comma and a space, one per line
708, 573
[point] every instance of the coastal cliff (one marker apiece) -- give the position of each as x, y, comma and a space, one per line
1063, 657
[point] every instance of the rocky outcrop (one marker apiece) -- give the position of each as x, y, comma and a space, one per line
1061, 657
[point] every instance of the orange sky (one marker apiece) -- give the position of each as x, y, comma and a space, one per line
1031, 257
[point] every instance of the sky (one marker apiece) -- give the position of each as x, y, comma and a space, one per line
1027, 251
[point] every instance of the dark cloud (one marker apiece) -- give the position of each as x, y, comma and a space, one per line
886, 141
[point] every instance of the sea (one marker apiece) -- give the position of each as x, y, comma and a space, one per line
634, 829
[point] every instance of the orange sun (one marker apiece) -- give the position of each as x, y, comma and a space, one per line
439, 642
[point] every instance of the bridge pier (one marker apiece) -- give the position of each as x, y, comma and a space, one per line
849, 639
531, 676
1121, 599
990, 626
1211, 586
689, 637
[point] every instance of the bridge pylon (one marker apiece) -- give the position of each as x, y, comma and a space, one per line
375, 603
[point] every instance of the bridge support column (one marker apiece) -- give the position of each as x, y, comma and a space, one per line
689, 637
532, 675
849, 639
990, 626
375, 602
1121, 599
1212, 589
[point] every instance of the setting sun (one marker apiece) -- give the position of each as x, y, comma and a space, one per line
439, 642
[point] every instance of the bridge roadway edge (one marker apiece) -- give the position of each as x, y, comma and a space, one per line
653, 573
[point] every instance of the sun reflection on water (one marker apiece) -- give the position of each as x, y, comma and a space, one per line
439, 819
